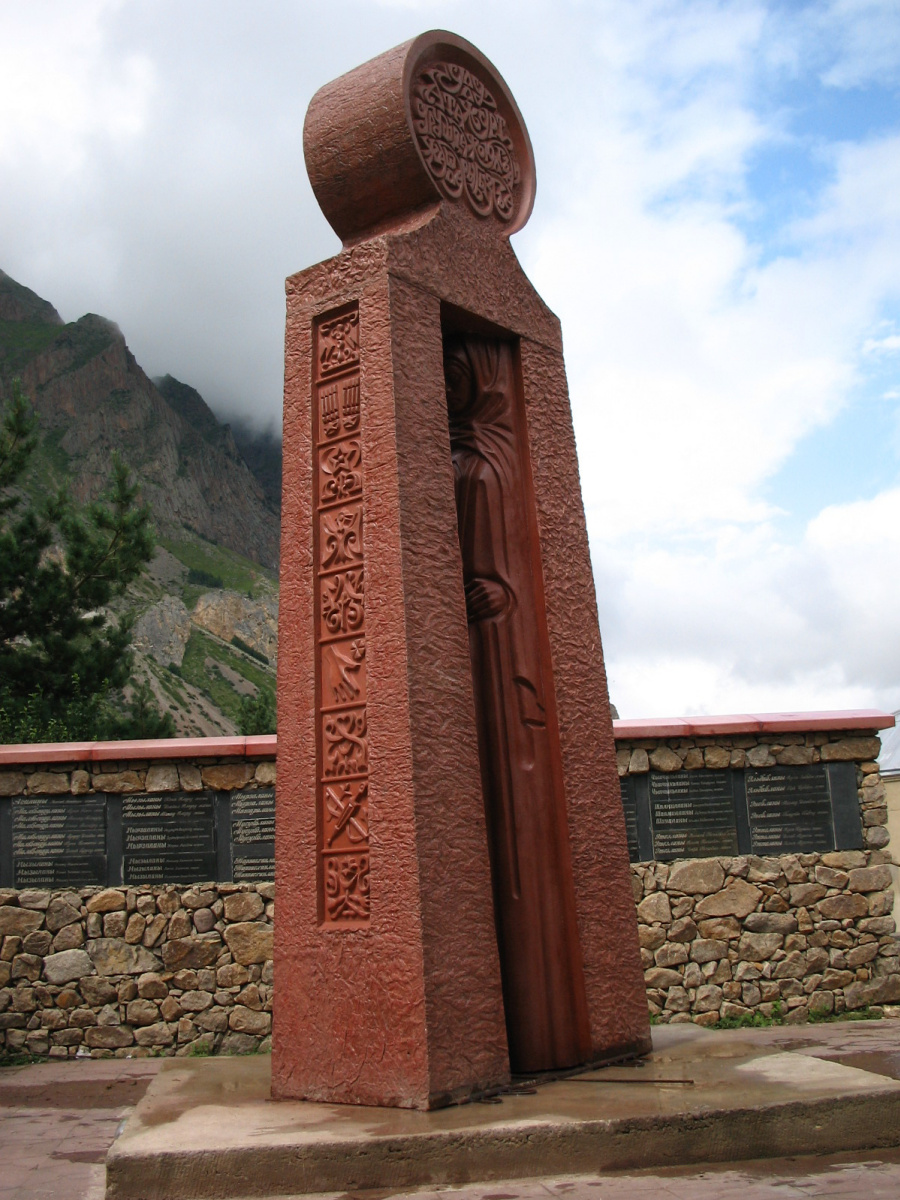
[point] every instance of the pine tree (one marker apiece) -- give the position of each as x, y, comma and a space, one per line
62, 655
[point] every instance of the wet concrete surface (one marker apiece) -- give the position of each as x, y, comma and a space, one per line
57, 1122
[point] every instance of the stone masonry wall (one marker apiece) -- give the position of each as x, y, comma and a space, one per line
810, 933
132, 971
127, 972
130, 777
185, 970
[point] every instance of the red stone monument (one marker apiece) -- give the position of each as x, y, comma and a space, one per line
454, 895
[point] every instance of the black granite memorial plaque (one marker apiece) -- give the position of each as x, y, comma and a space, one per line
169, 838
629, 804
692, 814
59, 841
790, 810
253, 835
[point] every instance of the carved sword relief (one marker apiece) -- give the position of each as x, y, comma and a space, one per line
343, 752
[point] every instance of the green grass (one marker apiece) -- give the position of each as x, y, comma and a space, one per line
755, 1020
242, 645
758, 1020
195, 671
118, 399
191, 593
21, 341
237, 573
170, 684
19, 1058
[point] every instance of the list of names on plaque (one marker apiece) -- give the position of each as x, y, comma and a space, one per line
59, 841
790, 810
629, 804
692, 814
169, 838
253, 835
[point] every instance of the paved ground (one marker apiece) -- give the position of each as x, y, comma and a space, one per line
58, 1120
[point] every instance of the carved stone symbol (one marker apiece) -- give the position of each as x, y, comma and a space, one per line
350, 406
331, 417
341, 476
339, 342
342, 602
464, 140
343, 673
348, 810
342, 538
346, 748
347, 886
343, 826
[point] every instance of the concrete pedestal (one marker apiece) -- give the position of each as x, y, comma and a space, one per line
206, 1129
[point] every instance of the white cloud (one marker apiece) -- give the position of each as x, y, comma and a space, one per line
864, 38
883, 345
696, 365
151, 169
752, 623
62, 86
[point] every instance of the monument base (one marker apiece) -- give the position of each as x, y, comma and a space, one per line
208, 1130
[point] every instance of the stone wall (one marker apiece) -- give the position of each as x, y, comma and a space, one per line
732, 936
187, 969
127, 972
132, 971
809, 933
127, 776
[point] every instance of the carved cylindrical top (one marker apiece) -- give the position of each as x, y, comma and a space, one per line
429, 120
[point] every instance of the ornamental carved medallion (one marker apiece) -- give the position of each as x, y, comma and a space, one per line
464, 140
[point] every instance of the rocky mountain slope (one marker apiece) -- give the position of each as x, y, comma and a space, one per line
204, 650
205, 635
92, 397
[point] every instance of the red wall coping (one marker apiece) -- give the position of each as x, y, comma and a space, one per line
264, 746
800, 722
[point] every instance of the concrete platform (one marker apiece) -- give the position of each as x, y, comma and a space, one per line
207, 1129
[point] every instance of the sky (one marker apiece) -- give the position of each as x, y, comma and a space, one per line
717, 225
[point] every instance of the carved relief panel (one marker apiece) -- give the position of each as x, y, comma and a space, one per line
342, 750
518, 739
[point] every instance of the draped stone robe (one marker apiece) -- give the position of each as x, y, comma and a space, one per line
534, 902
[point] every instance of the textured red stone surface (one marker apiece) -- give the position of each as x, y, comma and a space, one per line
799, 722
399, 1002
265, 745
386, 141
257, 746
518, 736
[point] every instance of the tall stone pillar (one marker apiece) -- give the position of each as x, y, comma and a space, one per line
454, 895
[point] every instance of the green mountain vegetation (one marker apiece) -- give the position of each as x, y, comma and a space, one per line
204, 609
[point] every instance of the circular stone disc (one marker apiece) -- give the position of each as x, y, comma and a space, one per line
430, 120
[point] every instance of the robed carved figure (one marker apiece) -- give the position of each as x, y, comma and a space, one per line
534, 900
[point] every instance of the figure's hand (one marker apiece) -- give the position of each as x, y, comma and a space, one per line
485, 598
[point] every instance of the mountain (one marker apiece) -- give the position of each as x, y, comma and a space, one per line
260, 449
206, 607
91, 397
